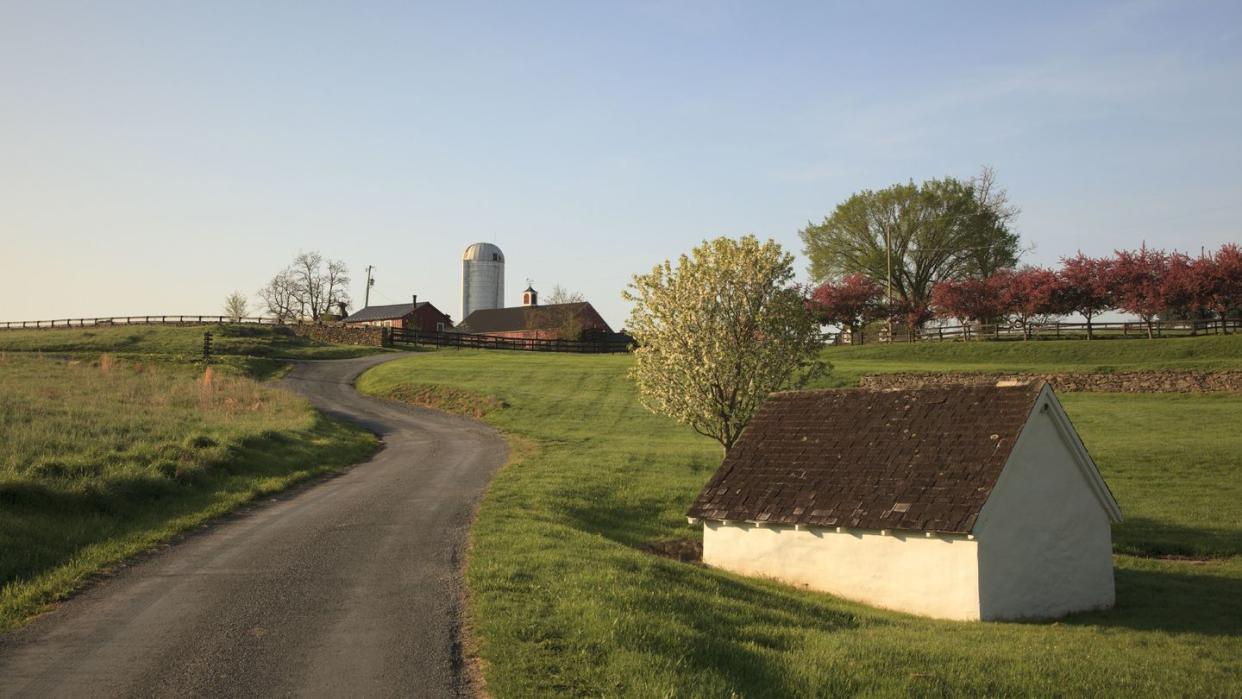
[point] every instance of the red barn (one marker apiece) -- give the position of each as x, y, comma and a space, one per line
409, 316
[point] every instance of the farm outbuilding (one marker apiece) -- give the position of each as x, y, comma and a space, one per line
416, 315
958, 502
565, 321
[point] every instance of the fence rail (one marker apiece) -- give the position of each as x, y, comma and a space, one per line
131, 320
526, 344
1053, 331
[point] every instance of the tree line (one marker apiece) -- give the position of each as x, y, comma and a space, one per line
1148, 283
721, 327
308, 289
946, 248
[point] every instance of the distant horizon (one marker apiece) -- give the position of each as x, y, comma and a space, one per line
159, 157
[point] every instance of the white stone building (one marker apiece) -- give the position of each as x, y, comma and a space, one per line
961, 502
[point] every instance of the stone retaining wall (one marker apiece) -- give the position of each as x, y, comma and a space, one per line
1121, 382
343, 334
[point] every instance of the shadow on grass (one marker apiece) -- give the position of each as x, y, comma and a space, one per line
1173, 599
710, 612
1140, 536
633, 524
636, 521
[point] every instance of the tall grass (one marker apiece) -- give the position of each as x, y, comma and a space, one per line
103, 458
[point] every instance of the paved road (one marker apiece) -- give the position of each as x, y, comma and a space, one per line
347, 587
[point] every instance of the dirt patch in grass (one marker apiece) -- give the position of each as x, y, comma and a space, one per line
449, 399
683, 550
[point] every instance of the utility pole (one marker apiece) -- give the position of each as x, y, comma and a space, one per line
888, 252
366, 295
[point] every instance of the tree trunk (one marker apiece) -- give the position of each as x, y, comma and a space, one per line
1089, 327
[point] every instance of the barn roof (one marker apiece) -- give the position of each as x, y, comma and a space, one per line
398, 310
491, 320
924, 459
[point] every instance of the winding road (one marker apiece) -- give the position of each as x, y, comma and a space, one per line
350, 586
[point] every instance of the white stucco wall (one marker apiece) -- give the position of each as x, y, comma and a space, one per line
909, 572
1045, 538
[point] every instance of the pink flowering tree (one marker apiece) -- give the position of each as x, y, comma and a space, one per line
1086, 286
1138, 280
1028, 295
849, 302
972, 299
1223, 275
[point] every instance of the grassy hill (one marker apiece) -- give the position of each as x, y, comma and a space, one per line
104, 458
178, 340
565, 600
1187, 353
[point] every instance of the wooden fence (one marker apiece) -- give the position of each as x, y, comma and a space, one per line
130, 320
1051, 331
476, 341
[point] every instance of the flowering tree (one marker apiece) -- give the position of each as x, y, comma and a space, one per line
970, 299
914, 314
1027, 295
1185, 286
1138, 282
718, 332
1086, 286
849, 302
1223, 272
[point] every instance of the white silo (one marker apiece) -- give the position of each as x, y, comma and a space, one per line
482, 278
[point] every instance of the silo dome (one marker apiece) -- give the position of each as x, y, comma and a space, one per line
482, 278
483, 251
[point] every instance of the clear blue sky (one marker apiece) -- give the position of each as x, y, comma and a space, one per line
154, 156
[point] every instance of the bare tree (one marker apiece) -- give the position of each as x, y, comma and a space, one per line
993, 196
556, 316
336, 283
235, 306
562, 295
309, 288
309, 284
280, 296
999, 213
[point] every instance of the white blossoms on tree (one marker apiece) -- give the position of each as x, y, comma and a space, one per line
719, 332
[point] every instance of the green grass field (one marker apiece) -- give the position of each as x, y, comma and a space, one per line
1189, 353
256, 350
565, 601
106, 458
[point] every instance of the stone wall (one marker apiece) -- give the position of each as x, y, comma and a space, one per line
342, 334
1120, 382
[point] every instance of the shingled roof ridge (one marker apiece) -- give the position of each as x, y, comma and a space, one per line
873, 450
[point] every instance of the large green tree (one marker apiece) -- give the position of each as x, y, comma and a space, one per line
936, 230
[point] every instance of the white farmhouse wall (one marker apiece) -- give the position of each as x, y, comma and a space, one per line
909, 572
1045, 538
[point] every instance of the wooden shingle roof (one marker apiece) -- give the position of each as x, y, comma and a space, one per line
392, 312
923, 460
488, 320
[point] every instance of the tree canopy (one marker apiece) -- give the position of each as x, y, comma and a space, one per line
940, 229
718, 332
